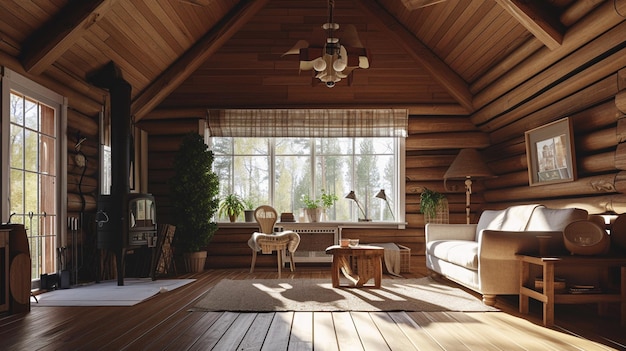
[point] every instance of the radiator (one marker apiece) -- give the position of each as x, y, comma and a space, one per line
313, 243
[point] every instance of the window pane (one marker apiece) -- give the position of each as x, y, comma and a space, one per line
293, 146
31, 114
293, 180
17, 147
343, 146
17, 192
251, 146
31, 152
251, 178
333, 176
17, 109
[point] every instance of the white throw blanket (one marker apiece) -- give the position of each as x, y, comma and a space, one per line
294, 240
391, 257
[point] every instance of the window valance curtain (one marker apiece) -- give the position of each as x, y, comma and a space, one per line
308, 123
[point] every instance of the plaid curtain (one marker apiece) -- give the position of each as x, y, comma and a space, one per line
308, 123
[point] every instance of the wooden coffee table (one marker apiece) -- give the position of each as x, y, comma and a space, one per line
366, 259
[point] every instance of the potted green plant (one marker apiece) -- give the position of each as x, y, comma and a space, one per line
248, 212
311, 208
194, 188
231, 206
431, 202
328, 200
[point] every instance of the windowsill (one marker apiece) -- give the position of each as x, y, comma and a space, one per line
387, 225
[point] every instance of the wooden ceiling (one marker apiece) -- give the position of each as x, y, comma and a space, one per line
189, 55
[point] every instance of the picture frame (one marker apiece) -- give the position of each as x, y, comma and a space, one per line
550, 153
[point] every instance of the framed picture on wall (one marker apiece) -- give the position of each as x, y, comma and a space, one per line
550, 153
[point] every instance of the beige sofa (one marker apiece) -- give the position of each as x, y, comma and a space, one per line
481, 256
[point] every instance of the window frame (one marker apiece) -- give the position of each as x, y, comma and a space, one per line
12, 81
397, 197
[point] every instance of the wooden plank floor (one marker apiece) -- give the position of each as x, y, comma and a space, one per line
164, 323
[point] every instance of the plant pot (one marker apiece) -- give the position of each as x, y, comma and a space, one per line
249, 215
194, 261
313, 214
232, 218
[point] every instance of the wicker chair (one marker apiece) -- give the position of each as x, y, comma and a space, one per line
267, 241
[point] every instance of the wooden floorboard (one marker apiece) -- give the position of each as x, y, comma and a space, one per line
164, 322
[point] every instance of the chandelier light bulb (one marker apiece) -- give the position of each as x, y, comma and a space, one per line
340, 64
319, 64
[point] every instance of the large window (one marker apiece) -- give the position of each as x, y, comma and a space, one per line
280, 171
32, 118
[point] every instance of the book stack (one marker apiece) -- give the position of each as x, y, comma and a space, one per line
287, 217
584, 289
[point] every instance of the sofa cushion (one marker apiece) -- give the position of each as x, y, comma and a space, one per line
550, 219
490, 219
514, 218
460, 252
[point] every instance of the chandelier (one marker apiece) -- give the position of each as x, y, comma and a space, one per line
334, 61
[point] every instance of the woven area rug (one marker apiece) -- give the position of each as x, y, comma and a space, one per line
264, 295
108, 293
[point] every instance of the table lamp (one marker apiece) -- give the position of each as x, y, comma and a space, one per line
467, 165
352, 196
381, 195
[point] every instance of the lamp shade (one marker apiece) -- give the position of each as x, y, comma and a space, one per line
381, 195
351, 195
468, 164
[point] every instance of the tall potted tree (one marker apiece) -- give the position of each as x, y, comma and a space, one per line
194, 190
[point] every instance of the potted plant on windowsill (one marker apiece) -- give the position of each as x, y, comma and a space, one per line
248, 212
328, 200
194, 188
432, 205
231, 206
311, 208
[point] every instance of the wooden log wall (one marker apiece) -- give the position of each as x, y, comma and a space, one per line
583, 80
598, 125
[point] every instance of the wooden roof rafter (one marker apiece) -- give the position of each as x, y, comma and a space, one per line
53, 39
191, 60
536, 20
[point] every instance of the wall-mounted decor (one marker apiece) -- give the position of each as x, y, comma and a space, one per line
550, 153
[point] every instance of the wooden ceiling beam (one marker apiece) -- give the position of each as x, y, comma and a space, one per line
191, 60
536, 20
439, 70
50, 41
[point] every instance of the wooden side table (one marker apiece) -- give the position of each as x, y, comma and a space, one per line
548, 296
367, 259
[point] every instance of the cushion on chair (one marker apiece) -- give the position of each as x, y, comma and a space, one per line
291, 238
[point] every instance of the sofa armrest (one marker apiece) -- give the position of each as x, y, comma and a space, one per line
498, 267
435, 232
495, 244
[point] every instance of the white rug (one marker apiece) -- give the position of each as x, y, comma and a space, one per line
108, 293
260, 295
